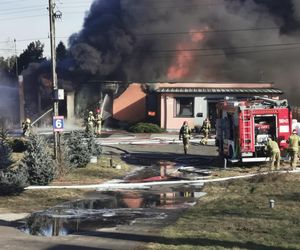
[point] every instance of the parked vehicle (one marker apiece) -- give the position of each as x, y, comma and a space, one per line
243, 127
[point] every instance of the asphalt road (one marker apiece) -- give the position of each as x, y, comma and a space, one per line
123, 237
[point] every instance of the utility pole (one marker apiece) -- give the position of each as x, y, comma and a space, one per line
17, 70
54, 76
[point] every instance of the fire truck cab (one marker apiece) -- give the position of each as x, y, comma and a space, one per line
243, 127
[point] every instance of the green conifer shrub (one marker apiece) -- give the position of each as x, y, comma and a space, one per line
77, 151
13, 180
38, 161
94, 148
5, 155
3, 134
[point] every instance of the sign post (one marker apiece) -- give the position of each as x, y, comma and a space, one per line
58, 123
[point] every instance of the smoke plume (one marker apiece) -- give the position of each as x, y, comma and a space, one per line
150, 41
9, 104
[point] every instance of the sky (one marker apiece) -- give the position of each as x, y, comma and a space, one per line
28, 21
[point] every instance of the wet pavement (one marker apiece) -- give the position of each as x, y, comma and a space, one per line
108, 209
120, 219
112, 209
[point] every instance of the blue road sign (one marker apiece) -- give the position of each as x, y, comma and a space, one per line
58, 123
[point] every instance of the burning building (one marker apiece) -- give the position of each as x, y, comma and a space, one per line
214, 41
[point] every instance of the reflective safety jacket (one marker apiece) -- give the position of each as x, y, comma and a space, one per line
185, 132
206, 125
294, 142
91, 120
98, 119
273, 146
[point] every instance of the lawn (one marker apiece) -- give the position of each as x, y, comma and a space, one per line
33, 200
236, 215
106, 168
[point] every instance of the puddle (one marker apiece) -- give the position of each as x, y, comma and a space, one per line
107, 209
166, 170
113, 208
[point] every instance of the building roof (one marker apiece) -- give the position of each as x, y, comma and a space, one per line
219, 90
235, 85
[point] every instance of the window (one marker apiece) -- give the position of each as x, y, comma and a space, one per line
184, 106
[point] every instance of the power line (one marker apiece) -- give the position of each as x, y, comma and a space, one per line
18, 18
33, 8
11, 49
4, 18
9, 2
173, 1
184, 32
79, 5
251, 52
24, 2
210, 54
28, 39
231, 52
175, 7
207, 31
226, 54
224, 48
14, 11
22, 9
201, 49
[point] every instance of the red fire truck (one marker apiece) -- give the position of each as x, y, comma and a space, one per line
243, 127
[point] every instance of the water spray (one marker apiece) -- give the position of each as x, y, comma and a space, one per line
102, 105
39, 118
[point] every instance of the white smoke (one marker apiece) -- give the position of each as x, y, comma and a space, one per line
9, 105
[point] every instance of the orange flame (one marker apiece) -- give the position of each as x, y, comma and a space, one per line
196, 36
180, 68
184, 58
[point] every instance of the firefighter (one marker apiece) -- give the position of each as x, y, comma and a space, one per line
26, 126
90, 122
294, 140
274, 151
185, 134
98, 121
206, 127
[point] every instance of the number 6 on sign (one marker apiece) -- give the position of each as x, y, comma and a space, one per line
58, 123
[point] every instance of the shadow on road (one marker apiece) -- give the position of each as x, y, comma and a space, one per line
184, 241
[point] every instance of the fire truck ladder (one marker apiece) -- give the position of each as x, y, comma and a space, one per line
247, 129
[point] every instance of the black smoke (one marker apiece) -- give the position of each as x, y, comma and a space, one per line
244, 41
99, 49
283, 11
